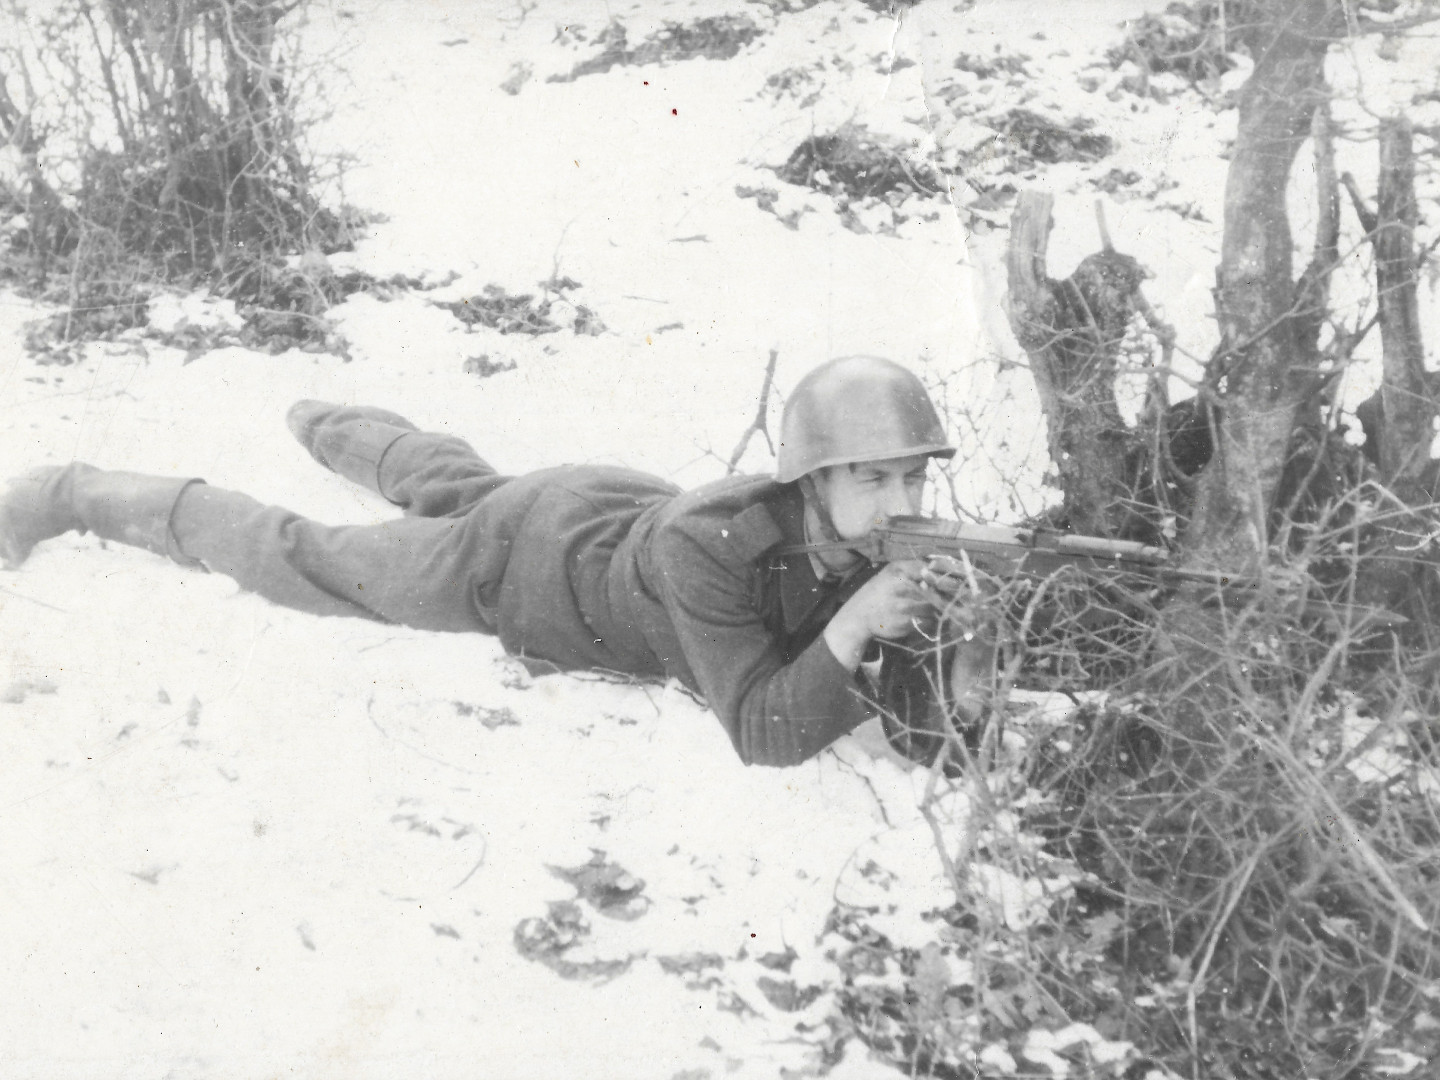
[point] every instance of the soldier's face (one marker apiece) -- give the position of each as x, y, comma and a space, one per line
860, 496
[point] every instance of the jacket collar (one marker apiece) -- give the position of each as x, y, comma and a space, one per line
776, 520
801, 592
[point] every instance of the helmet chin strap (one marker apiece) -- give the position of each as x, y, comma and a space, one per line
852, 560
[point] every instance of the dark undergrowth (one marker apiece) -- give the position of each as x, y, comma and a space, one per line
1027, 137
184, 166
524, 313
717, 37
1250, 812
854, 163
1194, 41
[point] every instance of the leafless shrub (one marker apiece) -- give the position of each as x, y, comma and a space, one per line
164, 143
1256, 883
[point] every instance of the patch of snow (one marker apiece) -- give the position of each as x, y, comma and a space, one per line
1042, 1047
169, 313
1398, 1062
997, 1057
1016, 902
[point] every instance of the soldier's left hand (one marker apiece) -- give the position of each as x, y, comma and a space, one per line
957, 579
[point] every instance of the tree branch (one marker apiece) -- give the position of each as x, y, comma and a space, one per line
761, 422
1362, 211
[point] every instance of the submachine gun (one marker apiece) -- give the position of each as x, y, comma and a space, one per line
1006, 553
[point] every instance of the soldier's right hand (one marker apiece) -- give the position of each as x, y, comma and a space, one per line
891, 605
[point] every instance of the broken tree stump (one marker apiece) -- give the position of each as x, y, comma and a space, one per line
1072, 331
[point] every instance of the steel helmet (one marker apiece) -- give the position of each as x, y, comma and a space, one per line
856, 408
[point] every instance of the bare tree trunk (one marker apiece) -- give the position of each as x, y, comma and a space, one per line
1312, 294
1398, 418
1072, 331
1407, 399
1258, 377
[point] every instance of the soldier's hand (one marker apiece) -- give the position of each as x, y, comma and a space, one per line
899, 599
957, 577
893, 604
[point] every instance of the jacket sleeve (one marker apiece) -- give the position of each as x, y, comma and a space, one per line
776, 713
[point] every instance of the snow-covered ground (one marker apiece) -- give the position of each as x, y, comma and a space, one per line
236, 841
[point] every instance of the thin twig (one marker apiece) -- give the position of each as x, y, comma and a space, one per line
927, 801
31, 599
1105, 242
761, 422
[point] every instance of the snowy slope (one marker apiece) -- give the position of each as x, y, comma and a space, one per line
239, 841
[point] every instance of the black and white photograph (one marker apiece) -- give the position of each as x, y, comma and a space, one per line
706, 539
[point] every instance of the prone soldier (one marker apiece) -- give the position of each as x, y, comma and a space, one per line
599, 567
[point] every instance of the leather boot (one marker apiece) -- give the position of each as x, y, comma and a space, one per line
126, 507
347, 439
35, 507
